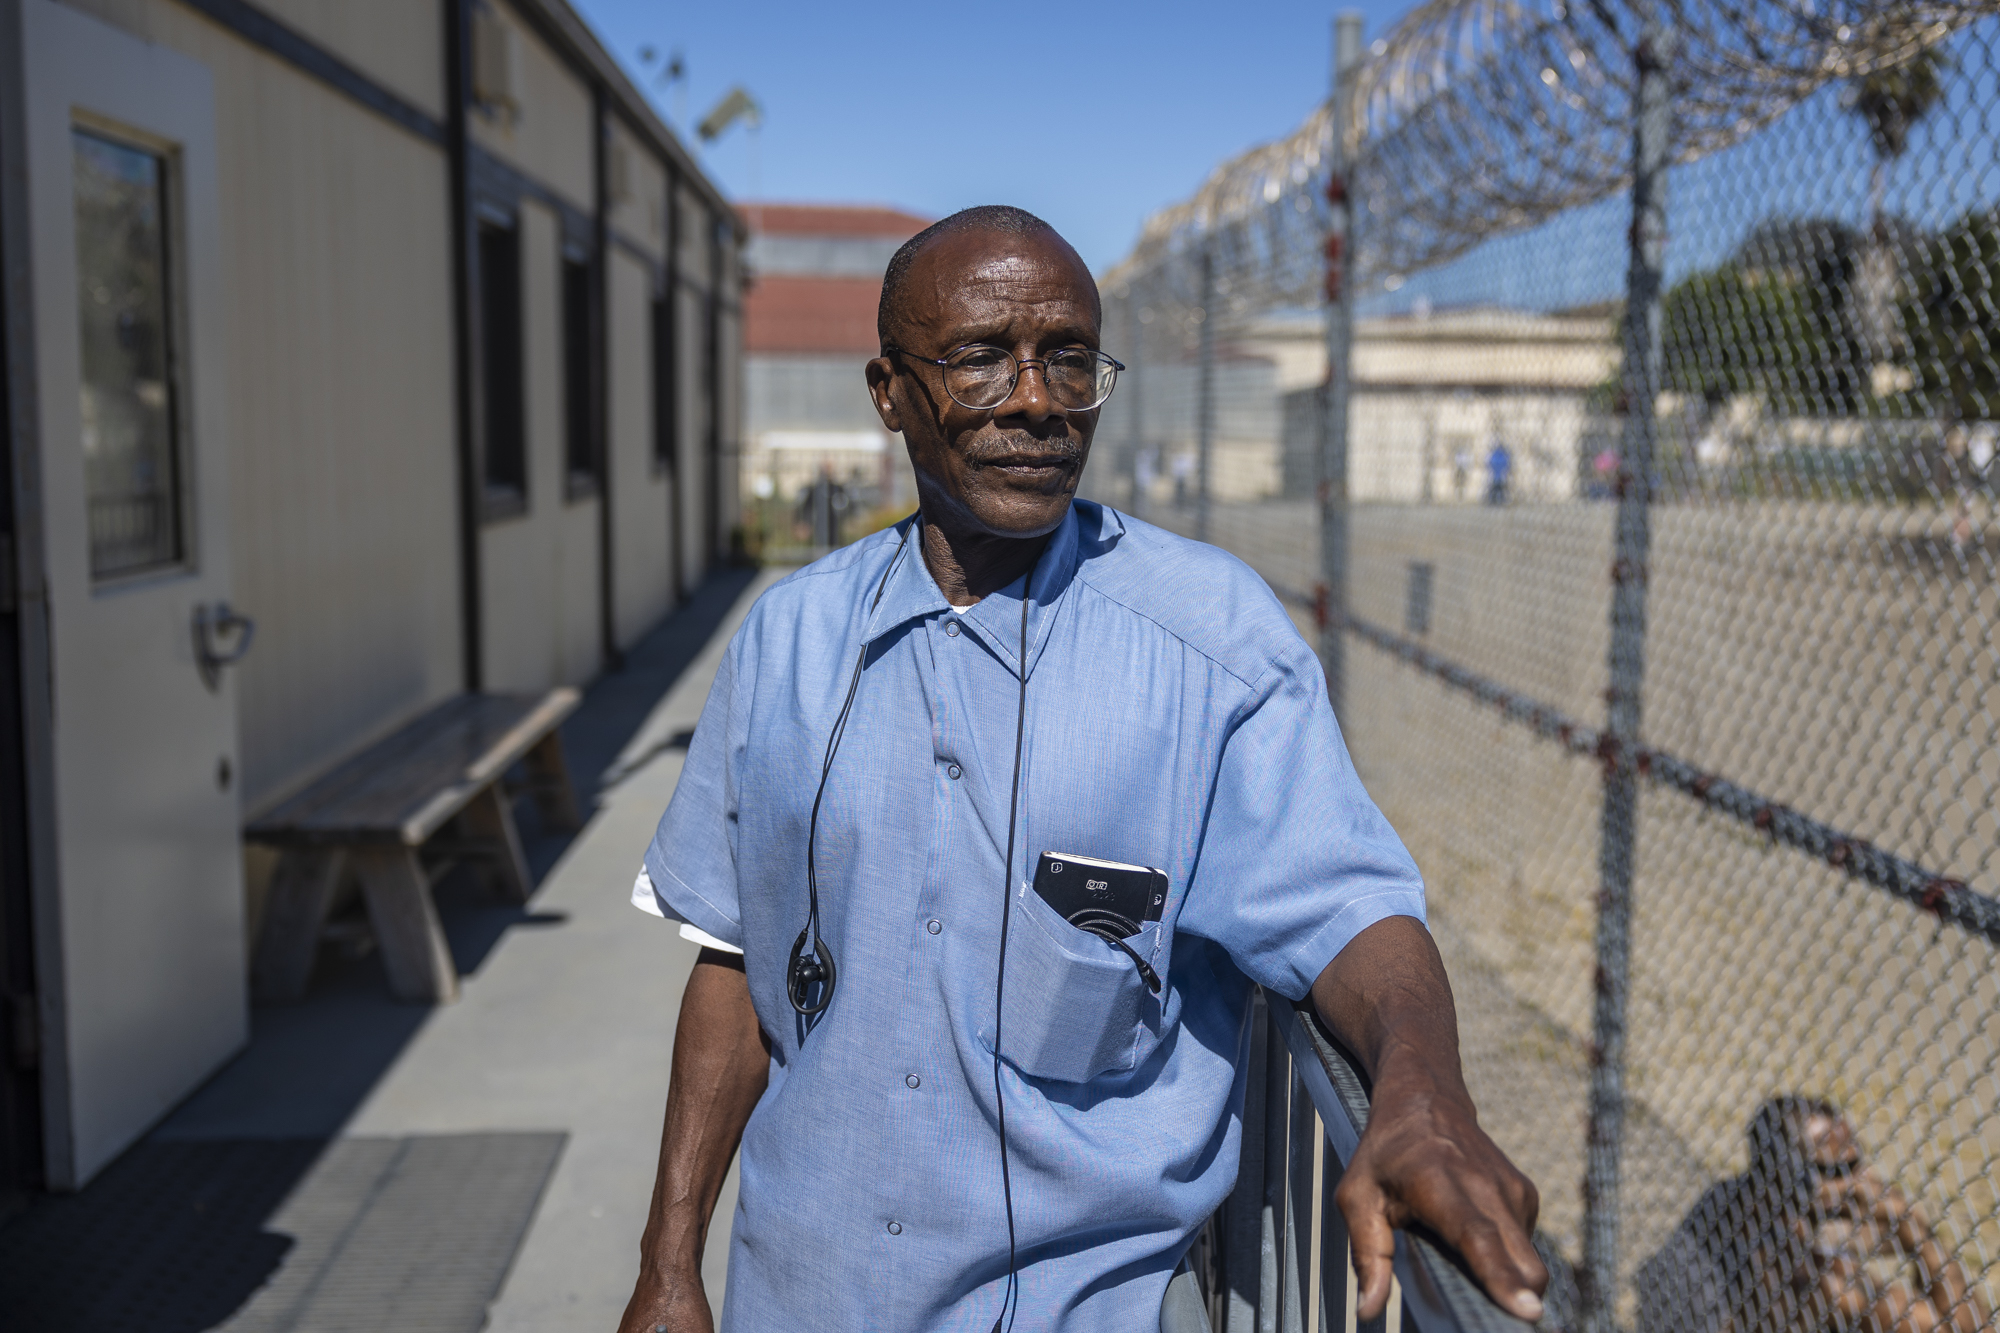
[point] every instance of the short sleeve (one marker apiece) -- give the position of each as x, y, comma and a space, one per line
692, 858
1296, 859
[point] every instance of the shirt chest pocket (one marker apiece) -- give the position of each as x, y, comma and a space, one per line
1076, 1006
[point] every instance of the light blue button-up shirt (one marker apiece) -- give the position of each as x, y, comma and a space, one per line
1175, 719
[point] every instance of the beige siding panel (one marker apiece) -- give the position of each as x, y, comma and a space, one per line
729, 393
549, 134
691, 474
579, 611
640, 214
516, 561
397, 43
336, 235
697, 256
640, 526
696, 239
539, 570
729, 408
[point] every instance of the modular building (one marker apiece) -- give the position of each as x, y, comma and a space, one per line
808, 333
357, 353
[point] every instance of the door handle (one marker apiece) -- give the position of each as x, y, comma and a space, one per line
214, 625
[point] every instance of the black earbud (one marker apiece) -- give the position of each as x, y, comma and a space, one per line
808, 970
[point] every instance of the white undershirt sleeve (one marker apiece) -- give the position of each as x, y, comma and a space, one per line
647, 899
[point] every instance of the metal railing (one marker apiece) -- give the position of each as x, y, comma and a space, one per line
1275, 1258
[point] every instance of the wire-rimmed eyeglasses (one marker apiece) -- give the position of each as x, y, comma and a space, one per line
980, 376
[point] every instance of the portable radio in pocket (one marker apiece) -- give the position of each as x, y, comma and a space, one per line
1109, 899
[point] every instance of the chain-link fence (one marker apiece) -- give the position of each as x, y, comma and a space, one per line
1649, 512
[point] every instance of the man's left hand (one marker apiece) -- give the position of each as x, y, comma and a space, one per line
1423, 1158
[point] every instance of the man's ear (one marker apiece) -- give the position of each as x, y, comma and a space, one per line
880, 376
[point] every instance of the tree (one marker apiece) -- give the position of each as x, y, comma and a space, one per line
1891, 101
1951, 321
1773, 320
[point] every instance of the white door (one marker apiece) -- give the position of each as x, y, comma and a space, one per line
145, 995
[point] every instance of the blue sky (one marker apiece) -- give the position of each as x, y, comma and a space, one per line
1090, 115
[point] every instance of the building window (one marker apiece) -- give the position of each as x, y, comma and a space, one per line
579, 437
125, 321
666, 396
505, 456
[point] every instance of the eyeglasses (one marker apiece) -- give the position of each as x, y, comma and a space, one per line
980, 376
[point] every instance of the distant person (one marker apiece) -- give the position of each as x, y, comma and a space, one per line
1145, 471
1461, 471
1809, 1239
822, 506
1604, 473
1499, 464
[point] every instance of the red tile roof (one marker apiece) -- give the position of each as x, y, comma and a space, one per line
832, 220
784, 313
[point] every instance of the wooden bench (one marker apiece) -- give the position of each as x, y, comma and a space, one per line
398, 814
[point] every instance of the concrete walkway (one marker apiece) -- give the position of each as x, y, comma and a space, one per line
571, 1028
420, 1159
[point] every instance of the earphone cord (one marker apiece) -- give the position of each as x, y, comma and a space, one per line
1112, 928
826, 764
1011, 1301
826, 767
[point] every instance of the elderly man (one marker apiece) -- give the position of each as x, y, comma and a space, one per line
957, 1107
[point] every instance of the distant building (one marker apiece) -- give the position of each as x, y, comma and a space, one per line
1433, 393
808, 329
406, 331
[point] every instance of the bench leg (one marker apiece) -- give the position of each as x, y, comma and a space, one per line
548, 777
489, 823
406, 924
302, 891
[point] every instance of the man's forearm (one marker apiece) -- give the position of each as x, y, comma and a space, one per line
721, 1065
1388, 999
1423, 1157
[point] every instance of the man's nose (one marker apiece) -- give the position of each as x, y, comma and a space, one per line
1030, 398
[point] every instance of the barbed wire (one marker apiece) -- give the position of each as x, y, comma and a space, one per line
1476, 118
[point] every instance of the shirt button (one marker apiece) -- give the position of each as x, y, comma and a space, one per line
951, 628
913, 1081
933, 925
954, 770
895, 1228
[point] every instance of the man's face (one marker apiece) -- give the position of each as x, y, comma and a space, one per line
1010, 470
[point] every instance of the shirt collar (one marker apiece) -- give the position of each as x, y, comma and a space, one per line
912, 592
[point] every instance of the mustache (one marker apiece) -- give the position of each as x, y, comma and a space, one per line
1057, 449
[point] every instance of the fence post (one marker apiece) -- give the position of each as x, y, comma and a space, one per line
1139, 373
1651, 127
1205, 387
1332, 595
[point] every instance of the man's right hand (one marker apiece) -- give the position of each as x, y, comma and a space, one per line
721, 1066
668, 1304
